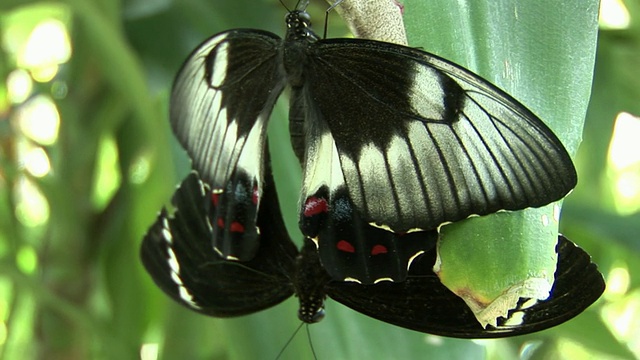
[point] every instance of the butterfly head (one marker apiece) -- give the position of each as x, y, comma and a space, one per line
311, 315
299, 25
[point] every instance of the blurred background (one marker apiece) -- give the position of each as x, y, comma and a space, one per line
87, 160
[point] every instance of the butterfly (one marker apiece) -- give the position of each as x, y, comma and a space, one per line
392, 141
177, 253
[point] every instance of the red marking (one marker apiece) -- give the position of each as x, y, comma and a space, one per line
256, 196
345, 246
379, 249
314, 206
221, 223
236, 227
215, 198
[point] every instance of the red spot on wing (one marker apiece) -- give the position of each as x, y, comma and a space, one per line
215, 198
345, 246
221, 223
236, 227
379, 249
314, 206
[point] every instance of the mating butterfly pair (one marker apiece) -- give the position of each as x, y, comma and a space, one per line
177, 253
394, 142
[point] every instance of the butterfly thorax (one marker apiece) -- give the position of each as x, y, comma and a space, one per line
296, 45
309, 282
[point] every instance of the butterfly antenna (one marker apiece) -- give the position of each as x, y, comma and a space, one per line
326, 16
290, 340
285, 6
313, 351
302, 5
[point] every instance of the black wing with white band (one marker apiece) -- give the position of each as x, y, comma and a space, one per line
220, 104
177, 253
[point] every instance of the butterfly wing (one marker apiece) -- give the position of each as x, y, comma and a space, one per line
178, 255
422, 141
220, 103
359, 251
350, 247
423, 304
416, 142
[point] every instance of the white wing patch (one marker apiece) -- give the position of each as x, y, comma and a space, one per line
221, 60
325, 169
184, 293
166, 231
376, 184
251, 154
427, 93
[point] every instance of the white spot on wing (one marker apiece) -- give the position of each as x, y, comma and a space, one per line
315, 241
176, 278
250, 159
376, 182
166, 234
209, 226
218, 252
389, 229
203, 190
173, 262
187, 297
166, 231
183, 292
220, 64
415, 256
323, 167
426, 93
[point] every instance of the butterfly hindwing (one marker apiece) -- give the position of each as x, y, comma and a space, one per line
178, 254
220, 104
235, 233
423, 304
421, 141
353, 250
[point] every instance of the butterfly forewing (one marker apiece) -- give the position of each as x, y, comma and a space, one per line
220, 104
422, 141
178, 254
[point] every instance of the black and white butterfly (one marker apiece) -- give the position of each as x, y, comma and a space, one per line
177, 253
392, 140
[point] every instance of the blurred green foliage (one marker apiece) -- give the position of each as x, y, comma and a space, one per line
80, 184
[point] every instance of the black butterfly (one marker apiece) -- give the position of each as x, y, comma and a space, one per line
391, 138
177, 253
